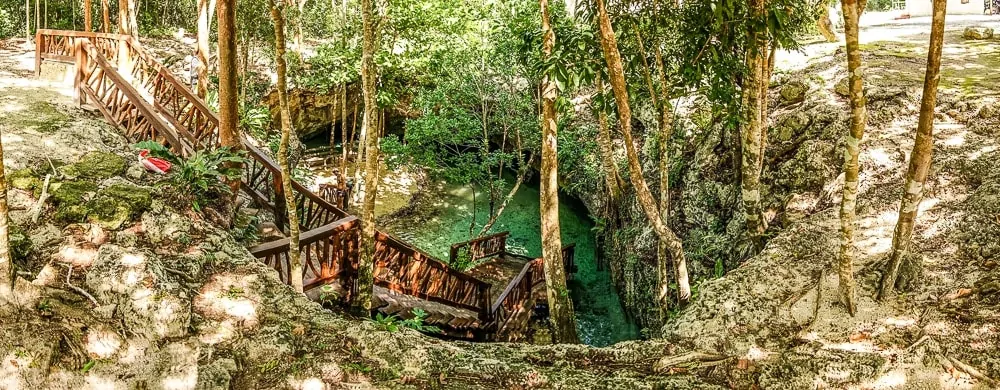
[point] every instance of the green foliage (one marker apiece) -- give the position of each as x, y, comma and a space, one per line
203, 175
464, 260
417, 322
391, 323
328, 296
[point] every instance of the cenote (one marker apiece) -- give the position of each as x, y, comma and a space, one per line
601, 320
444, 216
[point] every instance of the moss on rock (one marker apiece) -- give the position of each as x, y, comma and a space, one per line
70, 193
117, 204
20, 243
25, 179
95, 165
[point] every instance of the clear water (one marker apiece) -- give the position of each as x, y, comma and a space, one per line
601, 320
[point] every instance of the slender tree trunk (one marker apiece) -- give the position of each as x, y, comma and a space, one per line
345, 141
857, 132
494, 216
295, 264
228, 106
86, 16
204, 30
752, 137
612, 179
617, 77
123, 23
298, 30
370, 127
6, 264
662, 103
560, 305
920, 157
133, 18
106, 16
824, 25
27, 22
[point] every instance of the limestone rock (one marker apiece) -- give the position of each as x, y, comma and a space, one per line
791, 126
793, 92
977, 32
150, 301
842, 88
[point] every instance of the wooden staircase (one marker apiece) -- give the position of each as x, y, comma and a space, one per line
140, 96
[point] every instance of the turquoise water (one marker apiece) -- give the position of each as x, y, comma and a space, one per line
600, 318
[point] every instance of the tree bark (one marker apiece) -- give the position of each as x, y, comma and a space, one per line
202, 52
370, 127
824, 25
228, 106
106, 21
612, 179
754, 132
560, 305
920, 157
617, 77
854, 137
6, 264
27, 22
86, 16
295, 263
298, 30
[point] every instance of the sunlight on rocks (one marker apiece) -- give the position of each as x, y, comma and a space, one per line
100, 382
132, 260
900, 322
102, 344
225, 298
78, 257
756, 353
889, 380
135, 351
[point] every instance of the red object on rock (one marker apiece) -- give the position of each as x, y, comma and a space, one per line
154, 164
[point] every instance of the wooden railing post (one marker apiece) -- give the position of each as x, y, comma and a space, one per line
485, 312
39, 49
81, 71
124, 58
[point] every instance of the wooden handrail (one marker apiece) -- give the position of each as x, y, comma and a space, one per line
482, 247
87, 50
311, 236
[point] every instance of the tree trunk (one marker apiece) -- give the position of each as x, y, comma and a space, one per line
612, 179
754, 133
228, 107
86, 16
204, 30
298, 30
920, 157
27, 22
494, 216
825, 26
6, 264
370, 127
345, 141
560, 305
123, 24
106, 17
857, 132
617, 77
295, 264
